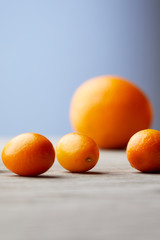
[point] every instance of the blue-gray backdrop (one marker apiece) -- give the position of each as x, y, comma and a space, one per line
48, 48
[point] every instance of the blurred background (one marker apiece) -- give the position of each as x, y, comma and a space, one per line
49, 47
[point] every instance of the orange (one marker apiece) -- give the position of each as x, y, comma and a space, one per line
143, 150
28, 154
77, 152
110, 110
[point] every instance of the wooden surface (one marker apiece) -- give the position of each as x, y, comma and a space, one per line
112, 201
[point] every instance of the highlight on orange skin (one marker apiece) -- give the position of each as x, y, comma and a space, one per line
143, 150
77, 152
28, 154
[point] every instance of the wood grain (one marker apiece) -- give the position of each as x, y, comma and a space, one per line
112, 201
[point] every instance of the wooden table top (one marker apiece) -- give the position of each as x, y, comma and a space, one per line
112, 201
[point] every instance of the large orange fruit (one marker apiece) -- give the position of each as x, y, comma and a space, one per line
110, 110
143, 150
28, 154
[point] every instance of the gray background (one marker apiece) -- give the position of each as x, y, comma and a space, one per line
48, 48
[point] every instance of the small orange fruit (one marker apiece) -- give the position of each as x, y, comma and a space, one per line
28, 154
77, 152
143, 150
110, 110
